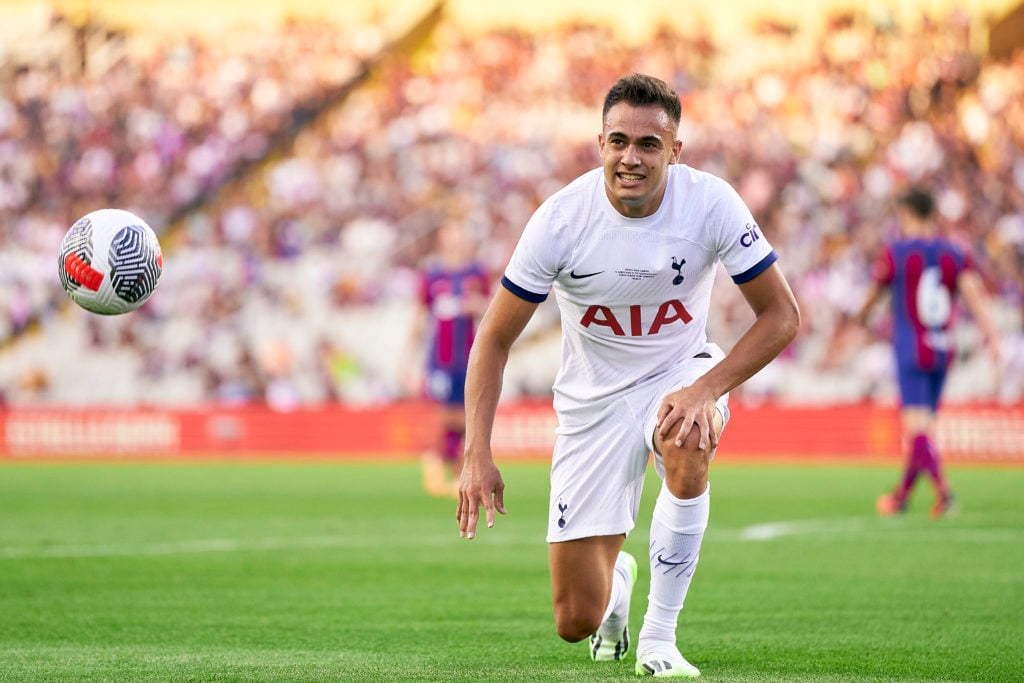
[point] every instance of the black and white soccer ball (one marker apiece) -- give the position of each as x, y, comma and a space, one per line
110, 262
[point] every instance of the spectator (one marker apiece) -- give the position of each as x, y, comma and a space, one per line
497, 121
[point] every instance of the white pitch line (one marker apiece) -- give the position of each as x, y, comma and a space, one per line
768, 531
773, 530
228, 545
850, 525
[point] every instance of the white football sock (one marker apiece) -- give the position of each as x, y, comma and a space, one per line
677, 530
616, 616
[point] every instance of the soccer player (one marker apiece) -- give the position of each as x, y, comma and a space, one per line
630, 250
453, 292
924, 272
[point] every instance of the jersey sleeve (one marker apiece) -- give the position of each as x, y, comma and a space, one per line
883, 270
743, 249
423, 287
485, 280
966, 255
538, 257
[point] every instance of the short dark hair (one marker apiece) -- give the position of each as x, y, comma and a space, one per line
918, 201
639, 90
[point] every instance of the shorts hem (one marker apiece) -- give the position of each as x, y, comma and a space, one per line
586, 533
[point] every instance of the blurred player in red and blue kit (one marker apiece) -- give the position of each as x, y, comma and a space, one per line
924, 273
454, 289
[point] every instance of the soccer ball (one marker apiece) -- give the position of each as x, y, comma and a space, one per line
110, 261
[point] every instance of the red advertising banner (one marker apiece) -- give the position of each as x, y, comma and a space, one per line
523, 430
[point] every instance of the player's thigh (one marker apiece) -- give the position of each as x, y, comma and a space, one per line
581, 574
920, 388
683, 376
453, 416
917, 420
665, 446
597, 475
685, 468
446, 386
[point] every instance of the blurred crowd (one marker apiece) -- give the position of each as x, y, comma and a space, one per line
290, 272
106, 118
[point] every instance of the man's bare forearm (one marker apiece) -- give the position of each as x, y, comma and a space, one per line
484, 381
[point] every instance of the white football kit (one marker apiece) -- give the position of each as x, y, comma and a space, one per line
633, 295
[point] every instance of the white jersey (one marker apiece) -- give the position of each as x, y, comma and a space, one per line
633, 293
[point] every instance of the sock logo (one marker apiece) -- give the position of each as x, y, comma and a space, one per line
685, 566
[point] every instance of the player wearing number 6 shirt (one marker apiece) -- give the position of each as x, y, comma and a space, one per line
630, 250
924, 273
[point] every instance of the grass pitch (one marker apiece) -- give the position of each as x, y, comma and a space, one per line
342, 572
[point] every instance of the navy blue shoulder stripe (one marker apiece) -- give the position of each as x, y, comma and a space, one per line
522, 293
751, 273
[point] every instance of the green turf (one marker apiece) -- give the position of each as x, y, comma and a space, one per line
341, 572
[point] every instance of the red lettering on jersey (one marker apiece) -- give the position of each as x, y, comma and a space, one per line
634, 321
668, 312
607, 319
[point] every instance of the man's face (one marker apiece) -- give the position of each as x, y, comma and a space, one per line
637, 146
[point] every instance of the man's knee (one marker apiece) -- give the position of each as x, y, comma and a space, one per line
581, 583
580, 599
576, 623
686, 466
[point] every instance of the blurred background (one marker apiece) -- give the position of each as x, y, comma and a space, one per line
297, 163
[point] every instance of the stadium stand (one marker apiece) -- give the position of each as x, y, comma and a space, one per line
296, 183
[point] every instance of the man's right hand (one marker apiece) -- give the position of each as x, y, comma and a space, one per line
480, 484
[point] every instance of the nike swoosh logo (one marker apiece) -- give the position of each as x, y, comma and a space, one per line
662, 560
574, 276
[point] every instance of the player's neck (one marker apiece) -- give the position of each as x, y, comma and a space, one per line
919, 229
453, 260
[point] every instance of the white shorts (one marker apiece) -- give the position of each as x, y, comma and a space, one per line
597, 473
